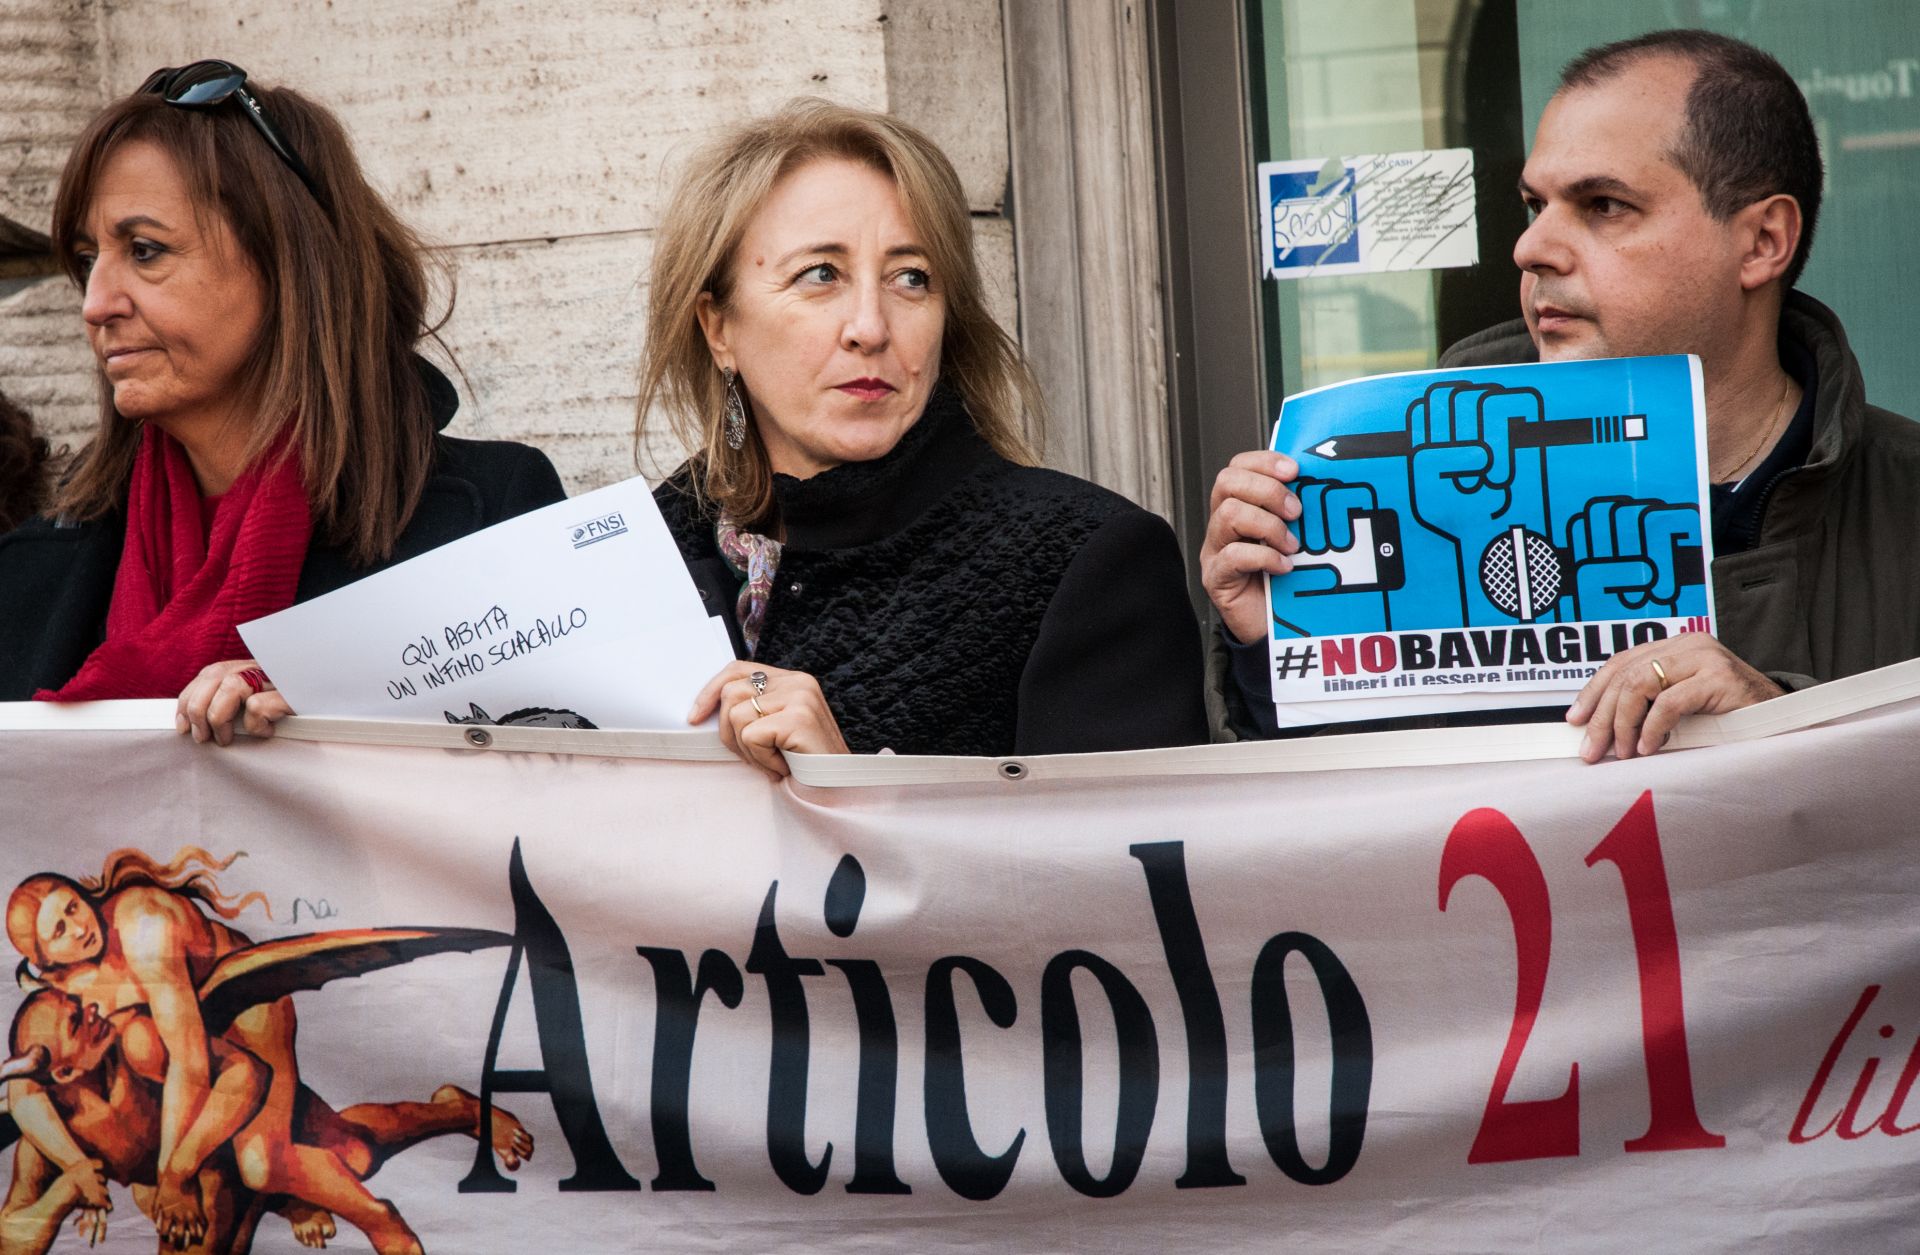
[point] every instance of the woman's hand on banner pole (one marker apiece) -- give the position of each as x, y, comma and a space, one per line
226, 692
766, 712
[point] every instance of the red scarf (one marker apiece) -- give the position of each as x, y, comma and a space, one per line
185, 584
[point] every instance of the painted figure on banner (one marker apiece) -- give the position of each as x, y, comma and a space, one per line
155, 1049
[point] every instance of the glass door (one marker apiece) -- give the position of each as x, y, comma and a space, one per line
1858, 61
1386, 76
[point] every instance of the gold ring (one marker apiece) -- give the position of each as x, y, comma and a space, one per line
755, 699
1661, 672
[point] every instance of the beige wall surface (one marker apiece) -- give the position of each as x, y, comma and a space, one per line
534, 144
48, 68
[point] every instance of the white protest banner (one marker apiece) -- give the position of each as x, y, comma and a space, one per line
580, 615
1487, 538
1210, 999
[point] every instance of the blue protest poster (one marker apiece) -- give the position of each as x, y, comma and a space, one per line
1487, 538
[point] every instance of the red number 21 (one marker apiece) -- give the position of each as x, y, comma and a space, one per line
1485, 843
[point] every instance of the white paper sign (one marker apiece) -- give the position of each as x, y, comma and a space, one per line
580, 614
1360, 215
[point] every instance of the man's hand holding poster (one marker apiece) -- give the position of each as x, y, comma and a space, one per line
1487, 538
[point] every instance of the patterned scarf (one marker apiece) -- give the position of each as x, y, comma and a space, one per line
754, 558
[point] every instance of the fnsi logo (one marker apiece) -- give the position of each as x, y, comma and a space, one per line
606, 527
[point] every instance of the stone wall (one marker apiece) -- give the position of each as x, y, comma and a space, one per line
49, 71
534, 144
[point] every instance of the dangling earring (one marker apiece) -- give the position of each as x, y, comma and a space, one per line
736, 410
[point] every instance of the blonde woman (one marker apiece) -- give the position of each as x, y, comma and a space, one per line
861, 506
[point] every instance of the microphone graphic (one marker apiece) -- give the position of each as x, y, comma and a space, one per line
1521, 434
1523, 573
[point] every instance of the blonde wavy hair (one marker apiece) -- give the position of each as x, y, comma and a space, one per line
717, 198
190, 873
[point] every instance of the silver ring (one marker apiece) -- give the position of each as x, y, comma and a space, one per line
759, 681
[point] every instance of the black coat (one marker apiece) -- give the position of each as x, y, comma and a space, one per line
951, 602
56, 579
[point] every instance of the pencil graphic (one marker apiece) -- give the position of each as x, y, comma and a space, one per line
1521, 434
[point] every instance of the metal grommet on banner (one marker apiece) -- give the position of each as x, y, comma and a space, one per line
1012, 770
479, 738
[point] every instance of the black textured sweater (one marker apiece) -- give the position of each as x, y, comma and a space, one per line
951, 602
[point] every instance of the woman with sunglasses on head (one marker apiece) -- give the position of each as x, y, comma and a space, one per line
861, 506
267, 431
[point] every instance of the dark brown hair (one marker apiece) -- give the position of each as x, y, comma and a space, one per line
723, 189
346, 302
23, 466
1748, 135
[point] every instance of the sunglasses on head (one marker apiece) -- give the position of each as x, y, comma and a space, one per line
210, 84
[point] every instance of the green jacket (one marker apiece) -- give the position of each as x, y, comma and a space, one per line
1833, 586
